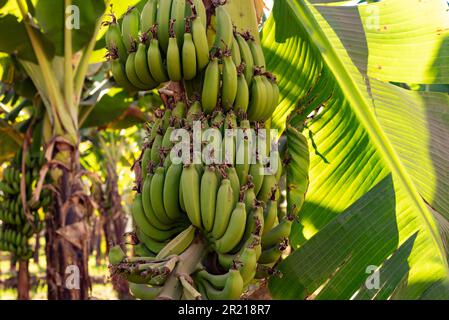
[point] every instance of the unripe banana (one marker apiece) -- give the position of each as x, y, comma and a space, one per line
269, 184
270, 216
194, 113
232, 290
244, 155
116, 255
142, 222
157, 195
114, 40
235, 51
248, 259
163, 21
257, 53
174, 60
130, 27
148, 16
271, 255
269, 89
131, 72
178, 10
199, 37
223, 210
211, 85
256, 171
188, 58
144, 291
200, 11
151, 244
119, 74
218, 281
235, 183
142, 69
155, 150
247, 58
179, 244
230, 82
242, 98
171, 191
235, 230
141, 250
209, 187
224, 28
155, 62
278, 233
148, 208
258, 103
179, 113
166, 119
190, 184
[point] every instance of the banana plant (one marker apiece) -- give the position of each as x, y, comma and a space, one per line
374, 221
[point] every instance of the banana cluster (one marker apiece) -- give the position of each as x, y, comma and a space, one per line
170, 41
16, 228
231, 205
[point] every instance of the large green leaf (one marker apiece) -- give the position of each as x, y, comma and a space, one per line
51, 17
378, 159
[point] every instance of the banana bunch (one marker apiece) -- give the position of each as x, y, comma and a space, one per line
16, 228
226, 200
168, 41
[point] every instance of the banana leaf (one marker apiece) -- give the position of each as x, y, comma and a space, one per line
377, 200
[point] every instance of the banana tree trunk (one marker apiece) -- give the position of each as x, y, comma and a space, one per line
23, 281
67, 235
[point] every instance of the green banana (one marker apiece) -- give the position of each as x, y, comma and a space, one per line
247, 58
229, 82
131, 74
209, 97
248, 260
151, 244
148, 208
258, 103
119, 74
269, 184
179, 244
232, 290
224, 29
272, 254
269, 89
270, 215
235, 52
179, 113
130, 27
142, 222
199, 37
242, 97
155, 61
218, 281
194, 113
234, 231
223, 210
256, 171
116, 255
114, 40
171, 191
188, 57
235, 183
155, 150
244, 155
200, 11
144, 291
157, 195
278, 233
174, 67
142, 69
190, 184
209, 187
178, 10
148, 16
141, 250
257, 53
163, 21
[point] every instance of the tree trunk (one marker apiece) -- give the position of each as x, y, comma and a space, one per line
67, 237
23, 281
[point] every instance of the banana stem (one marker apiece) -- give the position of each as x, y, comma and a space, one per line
187, 264
68, 69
